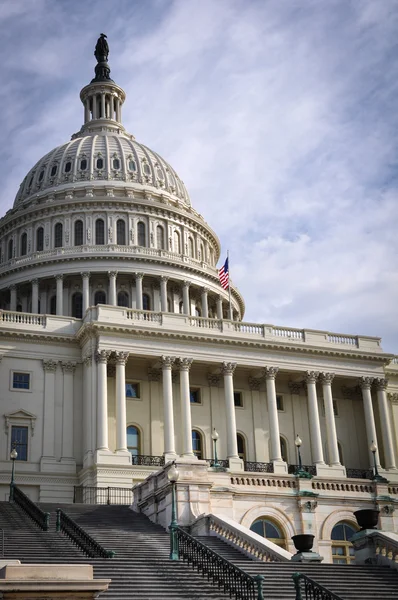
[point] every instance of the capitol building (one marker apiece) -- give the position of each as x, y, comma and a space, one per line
120, 352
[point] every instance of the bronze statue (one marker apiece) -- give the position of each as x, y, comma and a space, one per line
101, 49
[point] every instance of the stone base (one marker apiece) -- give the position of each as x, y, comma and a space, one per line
236, 464
307, 557
334, 471
391, 475
49, 464
280, 467
107, 457
170, 457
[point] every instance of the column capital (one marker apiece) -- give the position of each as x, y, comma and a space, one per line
85, 275
139, 275
294, 387
154, 374
271, 372
393, 398
213, 379
186, 283
50, 366
254, 384
205, 290
184, 364
365, 383
326, 378
112, 274
381, 384
311, 376
88, 361
59, 277
102, 356
228, 368
164, 278
68, 367
121, 357
167, 362
34, 281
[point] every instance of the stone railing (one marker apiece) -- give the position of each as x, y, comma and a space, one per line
20, 318
31, 322
334, 486
272, 482
240, 537
376, 547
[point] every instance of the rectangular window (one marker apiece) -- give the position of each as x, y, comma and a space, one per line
194, 394
19, 441
20, 381
238, 399
133, 390
279, 403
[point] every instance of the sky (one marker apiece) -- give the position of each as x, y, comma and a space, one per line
280, 117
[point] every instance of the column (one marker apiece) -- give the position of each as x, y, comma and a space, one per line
35, 296
232, 445
112, 107
103, 114
138, 290
87, 408
112, 287
163, 293
68, 369
121, 418
86, 291
205, 304
117, 109
389, 456
94, 101
219, 308
168, 415
186, 423
60, 294
102, 400
333, 450
50, 367
86, 110
185, 298
313, 413
270, 375
370, 425
13, 297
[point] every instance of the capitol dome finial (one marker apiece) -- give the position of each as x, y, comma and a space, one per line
101, 53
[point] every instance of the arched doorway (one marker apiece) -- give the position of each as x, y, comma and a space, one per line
267, 528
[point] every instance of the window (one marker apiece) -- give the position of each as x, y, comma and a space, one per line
116, 163
83, 164
30, 182
270, 530
53, 305
147, 169
197, 444
283, 444
202, 252
68, 167
123, 299
335, 408
194, 395
190, 247
24, 244
58, 235
40, 239
77, 305
160, 174
99, 298
146, 302
53, 171
141, 233
121, 232
20, 381
177, 243
342, 549
279, 403
133, 440
41, 175
19, 441
79, 233
159, 237
238, 399
100, 163
241, 446
132, 165
340, 449
132, 390
100, 232
10, 249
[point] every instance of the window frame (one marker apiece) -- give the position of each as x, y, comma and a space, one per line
139, 436
241, 405
58, 240
99, 220
20, 372
17, 446
121, 232
200, 454
76, 223
23, 247
132, 382
282, 399
40, 228
193, 390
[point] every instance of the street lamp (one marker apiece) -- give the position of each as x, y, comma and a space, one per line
214, 437
376, 475
300, 472
13, 456
173, 476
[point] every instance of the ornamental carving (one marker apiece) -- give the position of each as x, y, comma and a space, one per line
167, 362
326, 378
309, 506
228, 368
381, 384
254, 384
270, 372
184, 364
121, 357
294, 387
213, 379
154, 374
88, 361
366, 383
311, 376
388, 510
85, 275
393, 398
139, 276
112, 274
68, 367
111, 370
102, 356
59, 277
50, 366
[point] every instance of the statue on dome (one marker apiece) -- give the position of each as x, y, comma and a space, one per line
101, 49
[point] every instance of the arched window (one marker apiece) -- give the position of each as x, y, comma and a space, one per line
283, 448
146, 302
123, 299
141, 233
58, 235
40, 239
121, 232
270, 530
159, 237
77, 305
79, 233
197, 444
10, 249
190, 247
133, 441
24, 244
99, 298
100, 232
53, 305
241, 446
177, 243
342, 549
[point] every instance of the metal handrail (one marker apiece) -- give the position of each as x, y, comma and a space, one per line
102, 495
292, 469
2, 542
235, 581
259, 467
312, 590
80, 537
147, 460
42, 519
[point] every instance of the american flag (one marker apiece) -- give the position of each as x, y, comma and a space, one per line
223, 275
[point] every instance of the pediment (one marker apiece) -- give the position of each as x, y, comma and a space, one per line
20, 414
20, 417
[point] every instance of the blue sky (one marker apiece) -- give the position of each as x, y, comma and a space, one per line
280, 117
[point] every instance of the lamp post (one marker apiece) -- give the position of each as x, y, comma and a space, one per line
300, 472
214, 437
13, 456
376, 475
173, 476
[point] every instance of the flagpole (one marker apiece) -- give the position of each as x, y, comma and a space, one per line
229, 288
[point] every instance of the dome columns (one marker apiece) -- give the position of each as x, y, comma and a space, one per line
60, 295
185, 298
102, 101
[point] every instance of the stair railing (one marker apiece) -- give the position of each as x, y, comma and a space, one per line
42, 519
308, 589
2, 543
80, 537
237, 583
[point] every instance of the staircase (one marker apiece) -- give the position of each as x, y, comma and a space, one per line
141, 569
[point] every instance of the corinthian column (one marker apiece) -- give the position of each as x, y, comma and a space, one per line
184, 365
313, 413
35, 296
333, 449
68, 369
169, 445
112, 288
205, 304
381, 387
138, 290
121, 418
270, 375
370, 425
50, 367
86, 291
163, 293
232, 445
185, 298
87, 407
102, 400
60, 294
